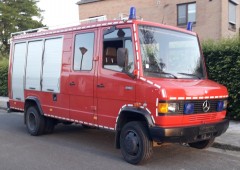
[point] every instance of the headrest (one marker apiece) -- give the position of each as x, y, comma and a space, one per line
111, 52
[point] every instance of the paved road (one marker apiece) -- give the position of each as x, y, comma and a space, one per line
72, 147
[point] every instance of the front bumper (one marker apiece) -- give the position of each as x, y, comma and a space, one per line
188, 134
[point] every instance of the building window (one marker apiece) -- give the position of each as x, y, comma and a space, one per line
83, 53
186, 13
232, 9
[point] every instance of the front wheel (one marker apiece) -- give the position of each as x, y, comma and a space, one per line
136, 146
202, 144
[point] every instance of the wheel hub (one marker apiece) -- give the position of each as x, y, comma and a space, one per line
131, 143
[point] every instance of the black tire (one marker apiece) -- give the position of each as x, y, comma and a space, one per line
49, 125
67, 123
35, 122
135, 143
202, 144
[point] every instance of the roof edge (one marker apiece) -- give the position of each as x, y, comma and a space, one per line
81, 2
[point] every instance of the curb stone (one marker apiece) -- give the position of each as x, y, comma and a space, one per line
226, 146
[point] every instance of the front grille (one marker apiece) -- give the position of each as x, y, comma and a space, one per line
198, 105
202, 117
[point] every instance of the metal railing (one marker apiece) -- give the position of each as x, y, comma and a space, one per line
84, 21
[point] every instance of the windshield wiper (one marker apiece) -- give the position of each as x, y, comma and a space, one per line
169, 74
193, 75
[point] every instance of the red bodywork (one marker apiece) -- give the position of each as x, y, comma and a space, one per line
85, 103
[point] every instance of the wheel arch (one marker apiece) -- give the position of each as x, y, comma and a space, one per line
32, 101
128, 114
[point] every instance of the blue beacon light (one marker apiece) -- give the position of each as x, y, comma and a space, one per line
132, 14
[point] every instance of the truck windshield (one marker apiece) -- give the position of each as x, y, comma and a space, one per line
170, 54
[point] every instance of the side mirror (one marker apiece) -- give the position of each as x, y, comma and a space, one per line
122, 61
122, 57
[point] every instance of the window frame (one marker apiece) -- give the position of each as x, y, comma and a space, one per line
186, 12
74, 46
235, 14
133, 46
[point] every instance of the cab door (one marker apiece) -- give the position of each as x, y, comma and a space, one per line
81, 78
115, 88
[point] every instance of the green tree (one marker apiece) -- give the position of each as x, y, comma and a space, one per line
17, 15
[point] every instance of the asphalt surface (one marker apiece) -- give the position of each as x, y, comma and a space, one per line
73, 147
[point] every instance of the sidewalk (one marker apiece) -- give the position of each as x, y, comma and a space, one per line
3, 102
229, 140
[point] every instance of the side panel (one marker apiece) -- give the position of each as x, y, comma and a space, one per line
18, 71
34, 65
52, 65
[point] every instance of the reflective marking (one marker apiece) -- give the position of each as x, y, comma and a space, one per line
150, 82
200, 97
81, 122
137, 55
135, 36
134, 27
138, 65
173, 98
148, 111
181, 98
153, 119
164, 94
156, 85
188, 98
211, 97
195, 98
136, 45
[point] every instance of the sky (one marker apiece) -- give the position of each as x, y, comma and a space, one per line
59, 12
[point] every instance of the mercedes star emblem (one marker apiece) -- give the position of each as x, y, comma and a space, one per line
206, 106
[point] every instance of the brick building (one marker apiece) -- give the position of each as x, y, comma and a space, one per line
213, 19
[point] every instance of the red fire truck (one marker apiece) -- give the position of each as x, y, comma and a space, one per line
145, 81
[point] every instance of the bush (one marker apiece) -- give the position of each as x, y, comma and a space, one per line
3, 76
223, 65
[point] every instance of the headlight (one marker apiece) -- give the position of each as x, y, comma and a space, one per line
168, 107
225, 103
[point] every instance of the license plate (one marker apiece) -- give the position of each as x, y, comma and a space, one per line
207, 129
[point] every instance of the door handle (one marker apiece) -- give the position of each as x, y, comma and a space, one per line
72, 83
100, 86
128, 87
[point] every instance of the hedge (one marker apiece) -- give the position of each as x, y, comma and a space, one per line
3, 76
223, 65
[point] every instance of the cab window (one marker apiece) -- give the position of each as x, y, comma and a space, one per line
113, 41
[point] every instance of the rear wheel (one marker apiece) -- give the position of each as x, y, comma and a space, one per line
136, 146
35, 121
49, 125
202, 144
